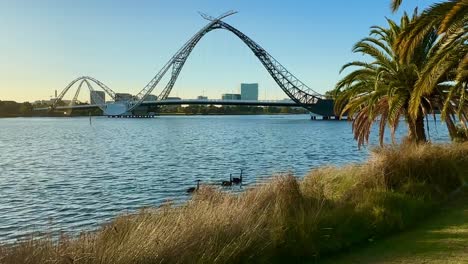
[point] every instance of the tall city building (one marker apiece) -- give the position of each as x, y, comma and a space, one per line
249, 91
97, 94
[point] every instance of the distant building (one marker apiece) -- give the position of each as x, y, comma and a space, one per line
174, 98
123, 97
95, 95
151, 97
201, 97
228, 96
249, 91
51, 102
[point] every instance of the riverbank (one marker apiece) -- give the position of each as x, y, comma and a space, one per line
330, 210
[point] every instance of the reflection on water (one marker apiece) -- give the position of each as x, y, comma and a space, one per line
63, 174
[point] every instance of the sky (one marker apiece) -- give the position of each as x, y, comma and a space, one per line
124, 43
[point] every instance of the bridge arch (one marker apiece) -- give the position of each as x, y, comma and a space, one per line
86, 80
292, 86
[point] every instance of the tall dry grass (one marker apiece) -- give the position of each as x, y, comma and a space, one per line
286, 219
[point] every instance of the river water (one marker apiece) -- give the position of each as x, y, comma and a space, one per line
67, 174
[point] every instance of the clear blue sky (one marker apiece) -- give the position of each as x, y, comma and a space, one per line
45, 44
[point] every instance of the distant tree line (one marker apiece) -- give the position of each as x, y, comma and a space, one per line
13, 109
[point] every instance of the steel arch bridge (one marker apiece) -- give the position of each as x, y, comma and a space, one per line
292, 86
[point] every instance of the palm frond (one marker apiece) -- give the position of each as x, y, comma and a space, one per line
458, 13
395, 4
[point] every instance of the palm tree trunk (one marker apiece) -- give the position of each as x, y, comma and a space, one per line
416, 131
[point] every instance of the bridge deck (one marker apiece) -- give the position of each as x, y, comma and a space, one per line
192, 102
322, 107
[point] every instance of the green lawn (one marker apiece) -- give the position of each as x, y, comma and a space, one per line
441, 239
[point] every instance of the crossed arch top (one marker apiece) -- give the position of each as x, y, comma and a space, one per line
87, 80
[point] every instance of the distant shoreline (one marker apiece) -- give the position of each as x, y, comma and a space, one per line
163, 114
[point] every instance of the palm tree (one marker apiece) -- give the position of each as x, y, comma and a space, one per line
450, 19
382, 88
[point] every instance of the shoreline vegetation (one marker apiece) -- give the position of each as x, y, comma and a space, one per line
14, 109
286, 219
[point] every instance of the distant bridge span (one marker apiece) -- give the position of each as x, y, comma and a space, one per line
299, 93
323, 107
